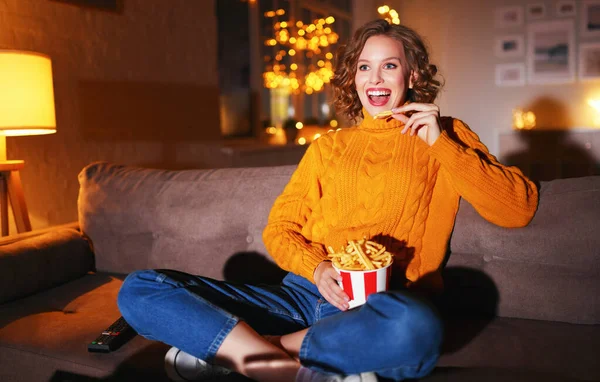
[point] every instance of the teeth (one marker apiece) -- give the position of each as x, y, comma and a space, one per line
378, 93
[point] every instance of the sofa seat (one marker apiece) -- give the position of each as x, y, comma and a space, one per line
53, 328
567, 351
50, 331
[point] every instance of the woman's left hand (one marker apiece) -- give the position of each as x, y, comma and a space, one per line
425, 120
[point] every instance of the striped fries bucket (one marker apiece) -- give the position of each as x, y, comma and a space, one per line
358, 285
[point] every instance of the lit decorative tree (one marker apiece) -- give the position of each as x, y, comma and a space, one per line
389, 14
302, 44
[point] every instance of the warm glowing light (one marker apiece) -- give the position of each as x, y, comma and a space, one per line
280, 12
299, 125
595, 103
389, 14
311, 43
333, 123
523, 120
316, 136
26, 94
301, 141
271, 130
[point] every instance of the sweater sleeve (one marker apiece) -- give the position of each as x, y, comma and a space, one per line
502, 195
283, 236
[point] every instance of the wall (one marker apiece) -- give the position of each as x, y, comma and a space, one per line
461, 34
135, 87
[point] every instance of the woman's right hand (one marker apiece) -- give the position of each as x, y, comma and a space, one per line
326, 279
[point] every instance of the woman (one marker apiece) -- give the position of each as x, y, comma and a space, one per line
395, 180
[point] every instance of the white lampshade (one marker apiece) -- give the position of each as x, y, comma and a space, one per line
26, 94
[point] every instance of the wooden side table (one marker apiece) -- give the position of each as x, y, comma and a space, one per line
11, 187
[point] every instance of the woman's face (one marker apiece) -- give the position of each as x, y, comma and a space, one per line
382, 75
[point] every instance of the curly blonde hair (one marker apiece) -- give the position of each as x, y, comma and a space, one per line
425, 86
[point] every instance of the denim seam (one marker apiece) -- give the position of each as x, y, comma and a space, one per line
305, 347
318, 310
218, 341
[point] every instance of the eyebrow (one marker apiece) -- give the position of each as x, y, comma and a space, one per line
385, 59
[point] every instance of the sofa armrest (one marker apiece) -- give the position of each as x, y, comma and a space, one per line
38, 260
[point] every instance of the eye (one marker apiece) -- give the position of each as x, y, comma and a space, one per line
389, 65
363, 67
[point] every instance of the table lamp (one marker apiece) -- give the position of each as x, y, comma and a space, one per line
26, 108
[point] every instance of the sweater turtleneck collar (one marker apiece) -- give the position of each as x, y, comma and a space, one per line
385, 124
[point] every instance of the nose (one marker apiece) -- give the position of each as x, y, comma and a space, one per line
375, 77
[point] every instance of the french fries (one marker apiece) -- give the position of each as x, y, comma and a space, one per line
383, 114
360, 255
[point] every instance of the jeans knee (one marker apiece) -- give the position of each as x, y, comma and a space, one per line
129, 298
410, 323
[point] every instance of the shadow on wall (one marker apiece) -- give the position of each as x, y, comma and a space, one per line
149, 112
550, 114
549, 151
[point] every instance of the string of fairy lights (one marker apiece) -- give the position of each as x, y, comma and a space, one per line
300, 43
389, 14
304, 43
301, 61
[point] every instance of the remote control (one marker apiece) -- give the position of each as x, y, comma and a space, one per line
113, 337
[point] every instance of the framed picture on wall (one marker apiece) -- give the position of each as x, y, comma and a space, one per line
590, 18
566, 8
508, 17
509, 46
589, 61
536, 11
510, 74
551, 52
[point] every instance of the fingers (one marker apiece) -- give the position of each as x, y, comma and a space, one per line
415, 107
400, 117
422, 119
418, 120
331, 291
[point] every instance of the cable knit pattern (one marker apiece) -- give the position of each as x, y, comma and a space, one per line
372, 181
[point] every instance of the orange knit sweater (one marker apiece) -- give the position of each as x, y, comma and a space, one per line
372, 181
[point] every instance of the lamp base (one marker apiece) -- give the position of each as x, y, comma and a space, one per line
11, 187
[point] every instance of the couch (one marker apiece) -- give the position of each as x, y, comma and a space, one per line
519, 304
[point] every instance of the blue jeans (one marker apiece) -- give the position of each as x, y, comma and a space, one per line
395, 334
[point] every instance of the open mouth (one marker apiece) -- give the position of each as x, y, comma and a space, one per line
378, 97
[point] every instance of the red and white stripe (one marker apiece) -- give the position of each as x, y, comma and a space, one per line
358, 285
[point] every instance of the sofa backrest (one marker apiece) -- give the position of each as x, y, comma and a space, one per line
201, 221
549, 270
190, 220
